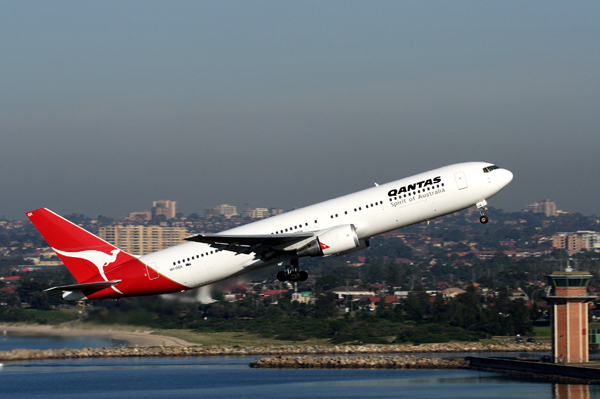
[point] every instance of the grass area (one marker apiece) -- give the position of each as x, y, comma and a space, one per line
36, 316
233, 338
542, 332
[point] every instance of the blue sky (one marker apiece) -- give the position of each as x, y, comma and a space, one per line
106, 106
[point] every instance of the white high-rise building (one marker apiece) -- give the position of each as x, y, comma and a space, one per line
164, 207
223, 209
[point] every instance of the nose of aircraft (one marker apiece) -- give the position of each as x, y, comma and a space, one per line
505, 176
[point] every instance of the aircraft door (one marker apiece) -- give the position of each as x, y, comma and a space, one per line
461, 180
152, 271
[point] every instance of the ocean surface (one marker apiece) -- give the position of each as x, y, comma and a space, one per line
230, 377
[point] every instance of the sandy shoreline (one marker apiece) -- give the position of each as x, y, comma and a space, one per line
134, 338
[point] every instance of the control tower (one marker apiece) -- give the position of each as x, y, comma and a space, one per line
569, 321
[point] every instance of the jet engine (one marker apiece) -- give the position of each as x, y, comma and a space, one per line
335, 241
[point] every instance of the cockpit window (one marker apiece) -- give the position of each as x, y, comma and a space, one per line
488, 169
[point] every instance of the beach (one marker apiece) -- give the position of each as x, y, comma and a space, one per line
132, 337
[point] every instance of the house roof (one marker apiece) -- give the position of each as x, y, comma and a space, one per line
452, 290
11, 278
273, 292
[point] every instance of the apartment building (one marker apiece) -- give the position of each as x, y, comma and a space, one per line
167, 208
223, 209
577, 241
141, 240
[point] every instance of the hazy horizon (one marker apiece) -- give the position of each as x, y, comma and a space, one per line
107, 106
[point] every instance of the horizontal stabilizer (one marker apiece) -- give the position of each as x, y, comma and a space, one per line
87, 286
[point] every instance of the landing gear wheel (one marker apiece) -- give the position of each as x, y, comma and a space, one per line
292, 272
282, 276
481, 207
294, 276
303, 276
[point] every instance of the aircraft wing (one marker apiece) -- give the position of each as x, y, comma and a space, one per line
79, 287
263, 245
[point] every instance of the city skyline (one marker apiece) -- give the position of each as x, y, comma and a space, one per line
106, 105
545, 206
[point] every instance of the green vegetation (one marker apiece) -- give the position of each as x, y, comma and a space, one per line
542, 332
415, 320
51, 317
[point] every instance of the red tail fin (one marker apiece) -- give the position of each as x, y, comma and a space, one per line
86, 256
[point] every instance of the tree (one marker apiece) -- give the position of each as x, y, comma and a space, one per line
328, 282
393, 275
325, 306
4, 240
11, 299
39, 300
375, 273
417, 305
28, 288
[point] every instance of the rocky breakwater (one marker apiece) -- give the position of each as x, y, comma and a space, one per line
282, 350
360, 362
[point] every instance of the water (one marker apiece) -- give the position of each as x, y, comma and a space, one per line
230, 377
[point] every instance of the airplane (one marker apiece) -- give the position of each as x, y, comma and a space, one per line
335, 227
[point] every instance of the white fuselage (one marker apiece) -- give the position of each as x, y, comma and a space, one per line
372, 211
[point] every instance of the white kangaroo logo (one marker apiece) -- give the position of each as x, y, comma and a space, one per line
97, 258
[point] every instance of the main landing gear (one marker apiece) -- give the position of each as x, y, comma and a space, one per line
481, 206
292, 273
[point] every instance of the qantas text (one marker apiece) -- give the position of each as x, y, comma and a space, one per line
414, 186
